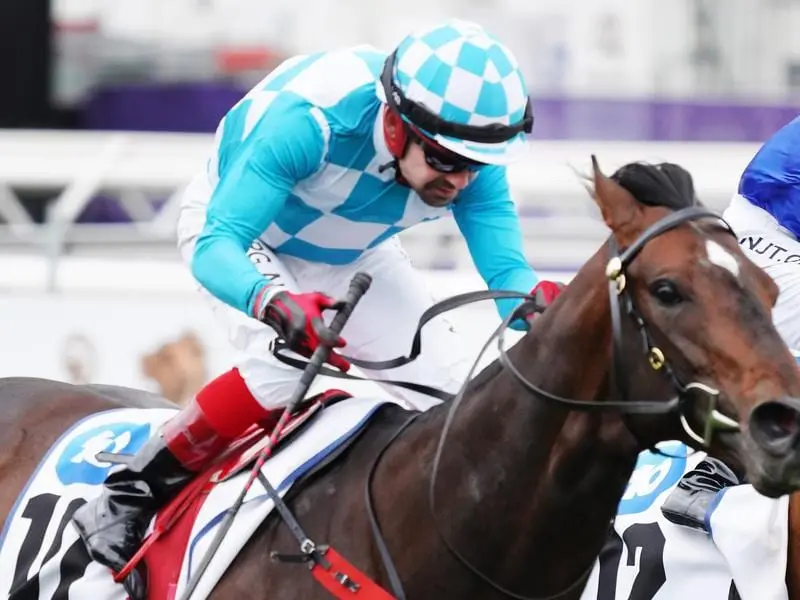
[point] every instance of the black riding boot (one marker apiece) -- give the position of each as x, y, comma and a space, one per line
113, 525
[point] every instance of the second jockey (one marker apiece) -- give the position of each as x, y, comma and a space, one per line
765, 214
312, 176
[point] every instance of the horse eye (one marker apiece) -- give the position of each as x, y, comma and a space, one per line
666, 292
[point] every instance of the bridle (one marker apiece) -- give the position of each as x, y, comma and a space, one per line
621, 300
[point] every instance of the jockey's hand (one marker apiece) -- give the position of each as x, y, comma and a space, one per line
298, 320
545, 292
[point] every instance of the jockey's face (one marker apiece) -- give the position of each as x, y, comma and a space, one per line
434, 187
435, 173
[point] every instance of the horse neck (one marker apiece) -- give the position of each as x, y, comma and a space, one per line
541, 482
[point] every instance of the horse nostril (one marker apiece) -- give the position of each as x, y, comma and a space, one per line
775, 425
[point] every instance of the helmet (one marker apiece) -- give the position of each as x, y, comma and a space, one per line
462, 88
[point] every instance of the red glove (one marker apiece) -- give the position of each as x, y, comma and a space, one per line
298, 320
545, 292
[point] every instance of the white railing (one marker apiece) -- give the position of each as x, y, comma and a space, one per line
164, 161
77, 166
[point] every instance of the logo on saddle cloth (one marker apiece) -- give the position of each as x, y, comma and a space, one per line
78, 462
652, 476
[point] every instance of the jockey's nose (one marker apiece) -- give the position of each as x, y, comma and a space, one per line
459, 180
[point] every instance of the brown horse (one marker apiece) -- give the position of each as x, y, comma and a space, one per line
509, 489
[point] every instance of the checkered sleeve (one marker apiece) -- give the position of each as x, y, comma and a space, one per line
284, 148
488, 219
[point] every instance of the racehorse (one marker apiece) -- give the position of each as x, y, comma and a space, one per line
508, 489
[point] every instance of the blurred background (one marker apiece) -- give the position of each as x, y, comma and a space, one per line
107, 107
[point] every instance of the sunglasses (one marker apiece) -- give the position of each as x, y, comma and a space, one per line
442, 160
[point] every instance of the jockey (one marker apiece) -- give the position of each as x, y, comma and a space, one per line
765, 213
312, 176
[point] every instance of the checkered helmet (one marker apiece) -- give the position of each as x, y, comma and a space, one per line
462, 88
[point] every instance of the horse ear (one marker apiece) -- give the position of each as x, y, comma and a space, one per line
621, 211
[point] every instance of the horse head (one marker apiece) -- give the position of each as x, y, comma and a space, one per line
700, 311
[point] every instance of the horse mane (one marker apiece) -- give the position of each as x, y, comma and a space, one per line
663, 184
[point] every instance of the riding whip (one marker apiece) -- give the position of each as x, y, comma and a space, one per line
358, 287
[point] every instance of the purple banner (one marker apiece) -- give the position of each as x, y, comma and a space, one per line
198, 108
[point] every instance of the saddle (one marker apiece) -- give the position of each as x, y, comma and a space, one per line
164, 546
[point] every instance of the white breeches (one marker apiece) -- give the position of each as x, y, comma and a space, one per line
381, 326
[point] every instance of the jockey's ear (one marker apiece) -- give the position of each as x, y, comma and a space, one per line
394, 132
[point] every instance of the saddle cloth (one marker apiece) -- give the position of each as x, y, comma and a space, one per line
41, 556
648, 557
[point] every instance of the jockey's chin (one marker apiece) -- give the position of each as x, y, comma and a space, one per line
438, 195
433, 187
